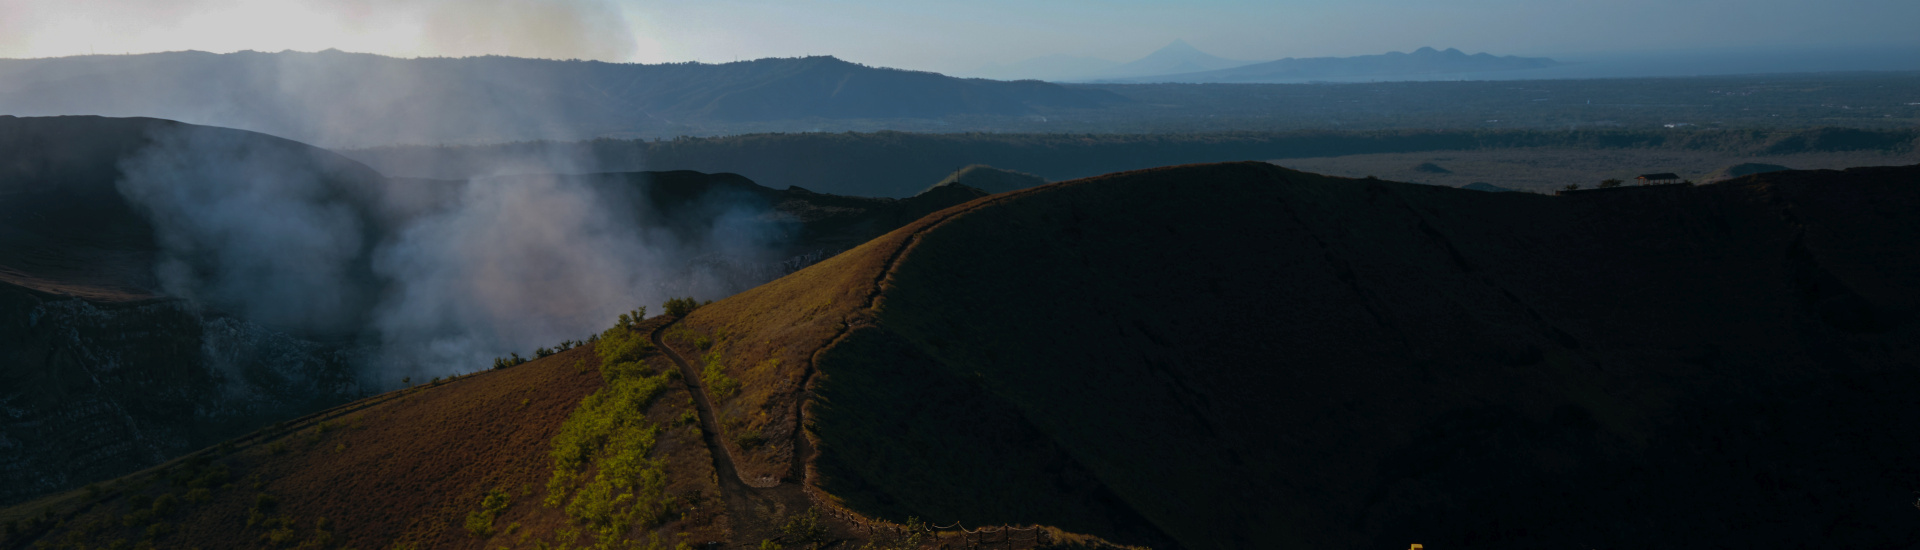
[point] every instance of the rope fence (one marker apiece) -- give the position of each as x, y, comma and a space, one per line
983, 537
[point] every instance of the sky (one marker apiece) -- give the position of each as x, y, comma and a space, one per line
956, 37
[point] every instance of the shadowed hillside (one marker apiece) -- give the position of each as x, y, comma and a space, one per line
1243, 356
899, 164
102, 373
1209, 356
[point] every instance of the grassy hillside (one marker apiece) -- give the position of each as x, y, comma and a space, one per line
1239, 355
1208, 356
105, 371
587, 447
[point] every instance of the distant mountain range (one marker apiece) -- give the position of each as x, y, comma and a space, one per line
1181, 62
339, 99
1424, 61
1177, 57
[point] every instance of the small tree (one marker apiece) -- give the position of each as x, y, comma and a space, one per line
1610, 183
1571, 187
680, 307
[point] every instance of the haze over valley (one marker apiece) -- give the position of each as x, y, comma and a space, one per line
880, 276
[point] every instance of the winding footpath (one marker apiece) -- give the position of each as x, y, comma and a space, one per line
756, 508
754, 512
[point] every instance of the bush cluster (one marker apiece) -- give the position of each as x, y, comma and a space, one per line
480, 522
680, 307
713, 374
511, 360
603, 477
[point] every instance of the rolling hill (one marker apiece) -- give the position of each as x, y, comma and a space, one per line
340, 99
1235, 356
1207, 356
110, 369
103, 373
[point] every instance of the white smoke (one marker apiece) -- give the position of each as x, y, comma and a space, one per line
432, 277
514, 264
250, 228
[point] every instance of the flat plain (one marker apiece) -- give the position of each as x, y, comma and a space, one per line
1548, 169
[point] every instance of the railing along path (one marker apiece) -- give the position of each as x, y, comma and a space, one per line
982, 537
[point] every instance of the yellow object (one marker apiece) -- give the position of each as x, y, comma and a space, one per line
1416, 547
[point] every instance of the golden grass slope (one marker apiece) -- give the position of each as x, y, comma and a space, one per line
461, 463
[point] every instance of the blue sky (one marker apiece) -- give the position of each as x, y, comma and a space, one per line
951, 37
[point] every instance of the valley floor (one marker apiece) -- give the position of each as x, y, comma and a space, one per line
1548, 169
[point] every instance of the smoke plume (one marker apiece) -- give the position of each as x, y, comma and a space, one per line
429, 277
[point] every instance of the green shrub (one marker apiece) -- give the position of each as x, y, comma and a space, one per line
887, 540
631, 320
680, 307
749, 439
621, 350
263, 505
163, 506
158, 530
804, 529
713, 374
136, 518
480, 522
210, 477
609, 436
513, 359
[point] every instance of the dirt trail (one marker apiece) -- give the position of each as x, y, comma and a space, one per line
755, 511
757, 507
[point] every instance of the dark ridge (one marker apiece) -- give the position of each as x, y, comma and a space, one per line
1360, 363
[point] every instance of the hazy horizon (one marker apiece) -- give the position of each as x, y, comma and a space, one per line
960, 38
